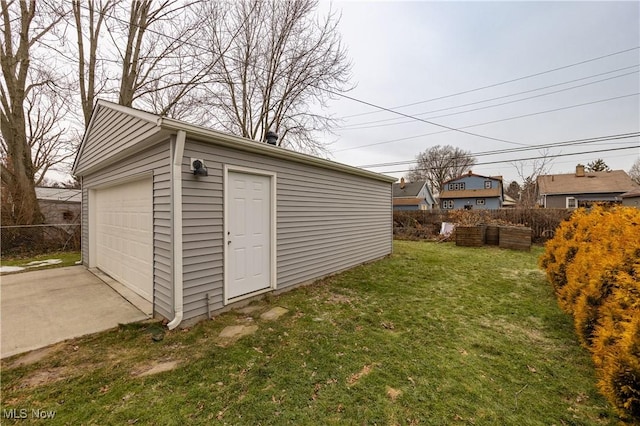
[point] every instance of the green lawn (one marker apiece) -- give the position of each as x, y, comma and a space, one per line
67, 258
433, 335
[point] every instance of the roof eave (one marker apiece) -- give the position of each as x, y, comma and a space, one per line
211, 136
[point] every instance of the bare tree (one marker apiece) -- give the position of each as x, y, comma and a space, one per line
279, 62
634, 171
159, 63
88, 41
23, 75
439, 164
51, 144
528, 173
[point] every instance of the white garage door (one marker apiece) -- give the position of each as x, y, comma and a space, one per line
124, 240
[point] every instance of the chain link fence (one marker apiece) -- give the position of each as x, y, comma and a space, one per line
36, 239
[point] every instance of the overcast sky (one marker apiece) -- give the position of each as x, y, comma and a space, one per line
411, 52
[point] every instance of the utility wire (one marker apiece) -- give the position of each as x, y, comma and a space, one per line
514, 150
361, 126
522, 159
222, 55
448, 128
501, 83
489, 122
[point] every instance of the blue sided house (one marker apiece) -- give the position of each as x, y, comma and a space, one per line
471, 191
412, 196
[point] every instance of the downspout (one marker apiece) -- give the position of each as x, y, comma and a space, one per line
177, 229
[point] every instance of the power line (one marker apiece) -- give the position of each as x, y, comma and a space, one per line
222, 55
501, 83
522, 159
489, 122
361, 126
449, 128
513, 150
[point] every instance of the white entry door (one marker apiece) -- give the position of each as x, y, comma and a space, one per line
124, 234
249, 210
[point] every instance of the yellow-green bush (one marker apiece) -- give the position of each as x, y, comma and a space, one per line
593, 263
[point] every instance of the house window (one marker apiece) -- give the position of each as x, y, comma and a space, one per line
487, 184
456, 186
447, 204
480, 201
572, 203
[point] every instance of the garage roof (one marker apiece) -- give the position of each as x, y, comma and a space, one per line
137, 130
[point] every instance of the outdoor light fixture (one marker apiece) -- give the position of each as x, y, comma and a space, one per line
198, 167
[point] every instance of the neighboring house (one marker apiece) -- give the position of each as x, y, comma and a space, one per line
631, 198
471, 191
573, 190
194, 220
59, 205
412, 196
508, 202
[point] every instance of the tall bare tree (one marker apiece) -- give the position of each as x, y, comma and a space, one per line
89, 19
439, 164
634, 171
159, 63
281, 59
23, 27
528, 172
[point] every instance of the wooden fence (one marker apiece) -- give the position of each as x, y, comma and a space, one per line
426, 224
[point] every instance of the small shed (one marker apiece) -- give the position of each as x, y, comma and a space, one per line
194, 221
59, 205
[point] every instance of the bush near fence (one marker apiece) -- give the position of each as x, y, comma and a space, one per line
425, 224
593, 263
39, 239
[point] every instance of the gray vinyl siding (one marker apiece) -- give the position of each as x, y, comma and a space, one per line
631, 201
155, 162
112, 132
327, 221
557, 201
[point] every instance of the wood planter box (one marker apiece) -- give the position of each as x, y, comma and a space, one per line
515, 237
470, 236
492, 235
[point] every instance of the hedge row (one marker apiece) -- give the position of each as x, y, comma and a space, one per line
593, 263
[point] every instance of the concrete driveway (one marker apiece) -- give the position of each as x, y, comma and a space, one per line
40, 308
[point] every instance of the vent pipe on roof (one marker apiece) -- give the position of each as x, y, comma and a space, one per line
271, 138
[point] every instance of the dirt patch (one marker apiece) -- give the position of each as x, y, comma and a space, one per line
393, 394
531, 333
354, 378
155, 368
338, 299
44, 377
248, 310
33, 357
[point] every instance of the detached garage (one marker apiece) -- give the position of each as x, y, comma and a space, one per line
193, 220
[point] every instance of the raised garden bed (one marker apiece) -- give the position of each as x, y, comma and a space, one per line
470, 236
515, 238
